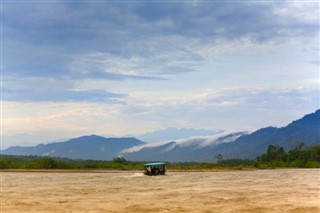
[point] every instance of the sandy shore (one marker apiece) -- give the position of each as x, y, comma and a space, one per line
285, 190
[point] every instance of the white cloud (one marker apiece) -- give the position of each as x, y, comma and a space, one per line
197, 141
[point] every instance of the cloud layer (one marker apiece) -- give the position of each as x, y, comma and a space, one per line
140, 66
116, 40
195, 142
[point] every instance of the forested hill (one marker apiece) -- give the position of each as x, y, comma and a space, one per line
86, 147
305, 130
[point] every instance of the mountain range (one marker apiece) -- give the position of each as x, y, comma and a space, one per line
197, 148
86, 147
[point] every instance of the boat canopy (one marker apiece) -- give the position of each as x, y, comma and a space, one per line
154, 164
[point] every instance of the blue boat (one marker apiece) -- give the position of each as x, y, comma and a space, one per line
155, 168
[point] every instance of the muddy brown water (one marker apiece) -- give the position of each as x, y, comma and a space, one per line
278, 190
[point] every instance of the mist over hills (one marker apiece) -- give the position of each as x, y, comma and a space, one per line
190, 149
305, 130
175, 134
234, 145
197, 148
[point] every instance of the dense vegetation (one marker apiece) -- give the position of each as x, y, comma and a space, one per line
300, 156
275, 156
36, 162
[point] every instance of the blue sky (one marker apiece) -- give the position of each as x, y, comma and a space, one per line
127, 67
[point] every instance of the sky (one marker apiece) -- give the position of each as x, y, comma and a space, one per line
73, 68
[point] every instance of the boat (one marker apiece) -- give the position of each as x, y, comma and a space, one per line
155, 168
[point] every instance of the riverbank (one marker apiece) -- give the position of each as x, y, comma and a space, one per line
122, 170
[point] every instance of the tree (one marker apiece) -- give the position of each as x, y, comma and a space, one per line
297, 144
297, 152
275, 152
43, 163
314, 153
119, 160
219, 157
5, 163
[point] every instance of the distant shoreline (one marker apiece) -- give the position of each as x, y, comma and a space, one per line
118, 171
69, 170
135, 171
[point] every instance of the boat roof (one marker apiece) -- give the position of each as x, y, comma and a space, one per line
154, 164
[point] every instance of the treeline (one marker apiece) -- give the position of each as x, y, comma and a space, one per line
300, 156
275, 156
228, 163
36, 162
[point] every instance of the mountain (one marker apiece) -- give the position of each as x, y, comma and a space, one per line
175, 134
247, 146
86, 147
198, 148
305, 130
